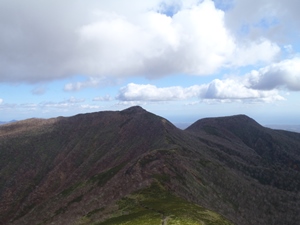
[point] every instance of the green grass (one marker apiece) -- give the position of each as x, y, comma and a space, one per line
154, 204
136, 218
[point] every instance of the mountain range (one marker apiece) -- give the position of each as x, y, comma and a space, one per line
135, 167
5, 122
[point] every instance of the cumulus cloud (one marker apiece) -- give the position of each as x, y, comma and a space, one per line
231, 89
51, 40
1, 100
148, 92
262, 50
228, 90
157, 44
263, 85
285, 74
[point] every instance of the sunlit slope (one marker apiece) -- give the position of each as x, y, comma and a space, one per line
155, 205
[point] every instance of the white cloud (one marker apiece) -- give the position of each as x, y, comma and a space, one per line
142, 92
262, 50
91, 107
92, 82
74, 100
50, 40
228, 90
131, 103
29, 106
231, 89
156, 44
261, 85
80, 85
1, 100
285, 74
103, 98
72, 105
66, 104
68, 107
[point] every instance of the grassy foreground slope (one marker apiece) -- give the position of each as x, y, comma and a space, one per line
155, 205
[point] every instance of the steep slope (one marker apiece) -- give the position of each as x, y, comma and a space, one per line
74, 170
274, 149
134, 167
44, 157
267, 163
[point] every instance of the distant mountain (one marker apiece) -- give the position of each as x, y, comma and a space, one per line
4, 122
293, 128
134, 167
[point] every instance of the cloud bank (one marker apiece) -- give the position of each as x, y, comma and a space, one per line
142, 92
261, 85
285, 74
218, 90
50, 40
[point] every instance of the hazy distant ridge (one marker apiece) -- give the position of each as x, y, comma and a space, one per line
293, 128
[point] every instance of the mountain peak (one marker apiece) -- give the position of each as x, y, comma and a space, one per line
225, 122
134, 110
146, 169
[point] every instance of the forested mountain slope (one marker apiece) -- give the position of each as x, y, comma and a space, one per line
133, 166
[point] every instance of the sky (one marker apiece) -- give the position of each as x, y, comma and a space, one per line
183, 60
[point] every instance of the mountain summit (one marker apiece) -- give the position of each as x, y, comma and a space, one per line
134, 167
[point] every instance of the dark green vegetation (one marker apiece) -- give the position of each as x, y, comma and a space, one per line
133, 167
155, 205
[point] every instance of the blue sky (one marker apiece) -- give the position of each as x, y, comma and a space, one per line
183, 60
